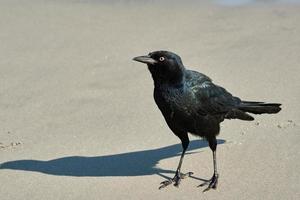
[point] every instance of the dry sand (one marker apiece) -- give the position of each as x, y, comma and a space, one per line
78, 120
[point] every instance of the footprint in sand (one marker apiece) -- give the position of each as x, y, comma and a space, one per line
286, 124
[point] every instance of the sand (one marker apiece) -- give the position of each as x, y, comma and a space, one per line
78, 120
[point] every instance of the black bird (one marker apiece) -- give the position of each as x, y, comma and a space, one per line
191, 103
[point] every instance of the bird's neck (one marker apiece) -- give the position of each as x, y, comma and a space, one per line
174, 79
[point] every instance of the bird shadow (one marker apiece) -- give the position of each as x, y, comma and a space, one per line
137, 163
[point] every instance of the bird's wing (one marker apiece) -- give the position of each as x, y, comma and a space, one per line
212, 99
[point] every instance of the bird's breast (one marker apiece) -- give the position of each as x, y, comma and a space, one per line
176, 101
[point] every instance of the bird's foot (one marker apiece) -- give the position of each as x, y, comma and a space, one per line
176, 179
212, 183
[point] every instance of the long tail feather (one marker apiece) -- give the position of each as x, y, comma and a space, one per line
259, 107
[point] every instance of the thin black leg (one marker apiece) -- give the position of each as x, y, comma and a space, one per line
213, 182
185, 144
178, 175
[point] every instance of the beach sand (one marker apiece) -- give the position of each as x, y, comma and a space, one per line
78, 120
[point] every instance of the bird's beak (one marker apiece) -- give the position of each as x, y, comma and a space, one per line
145, 59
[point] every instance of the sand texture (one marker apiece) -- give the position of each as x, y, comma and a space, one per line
77, 116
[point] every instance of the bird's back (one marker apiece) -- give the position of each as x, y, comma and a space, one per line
213, 100
194, 78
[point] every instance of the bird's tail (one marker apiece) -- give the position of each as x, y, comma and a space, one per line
259, 107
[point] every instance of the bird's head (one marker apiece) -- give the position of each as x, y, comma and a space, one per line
165, 66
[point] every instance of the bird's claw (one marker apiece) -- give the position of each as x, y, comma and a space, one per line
176, 180
212, 183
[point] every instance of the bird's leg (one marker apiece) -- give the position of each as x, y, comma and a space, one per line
213, 182
178, 175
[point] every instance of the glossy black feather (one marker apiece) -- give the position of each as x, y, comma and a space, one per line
191, 102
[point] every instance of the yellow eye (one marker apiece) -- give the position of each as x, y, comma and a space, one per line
161, 58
